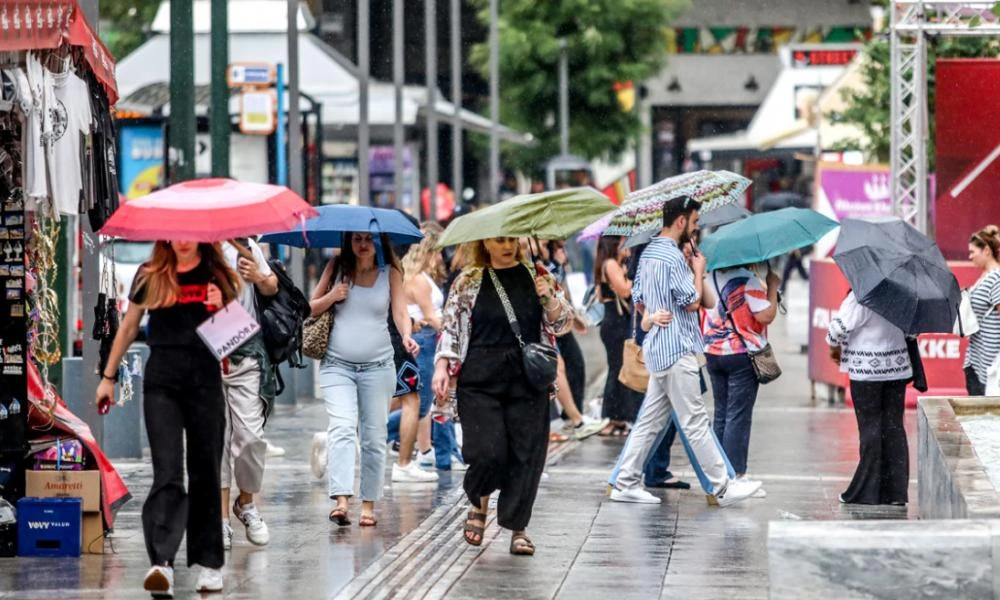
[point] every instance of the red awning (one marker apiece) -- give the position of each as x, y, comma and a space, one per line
47, 24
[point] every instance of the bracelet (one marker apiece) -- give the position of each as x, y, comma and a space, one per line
113, 379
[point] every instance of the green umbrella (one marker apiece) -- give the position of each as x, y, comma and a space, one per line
547, 216
763, 236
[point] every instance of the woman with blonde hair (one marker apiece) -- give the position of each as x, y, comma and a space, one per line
505, 417
181, 286
984, 252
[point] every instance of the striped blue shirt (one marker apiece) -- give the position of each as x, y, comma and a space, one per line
665, 281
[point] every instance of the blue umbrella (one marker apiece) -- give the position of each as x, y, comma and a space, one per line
327, 230
763, 236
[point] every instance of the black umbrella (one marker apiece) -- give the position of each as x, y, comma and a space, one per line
779, 200
899, 273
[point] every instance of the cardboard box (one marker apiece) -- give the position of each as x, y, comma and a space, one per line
93, 533
85, 485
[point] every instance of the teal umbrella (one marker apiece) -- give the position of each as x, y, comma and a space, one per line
763, 236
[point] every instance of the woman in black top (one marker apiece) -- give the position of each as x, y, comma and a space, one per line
181, 286
620, 404
505, 420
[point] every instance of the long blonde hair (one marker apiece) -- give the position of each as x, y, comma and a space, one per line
420, 257
480, 257
157, 279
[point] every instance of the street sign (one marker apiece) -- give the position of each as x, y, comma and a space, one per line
257, 112
250, 75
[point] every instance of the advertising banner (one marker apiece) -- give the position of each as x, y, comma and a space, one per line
140, 159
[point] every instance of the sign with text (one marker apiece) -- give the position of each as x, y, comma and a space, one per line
257, 113
228, 329
250, 74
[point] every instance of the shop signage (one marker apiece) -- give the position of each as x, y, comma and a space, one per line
250, 74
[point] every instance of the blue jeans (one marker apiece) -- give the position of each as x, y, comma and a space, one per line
426, 338
356, 394
735, 388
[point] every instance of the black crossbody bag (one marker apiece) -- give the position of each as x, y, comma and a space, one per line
540, 360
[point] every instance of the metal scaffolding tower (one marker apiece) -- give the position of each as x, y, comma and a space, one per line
912, 23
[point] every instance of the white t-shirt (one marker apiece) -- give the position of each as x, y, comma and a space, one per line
872, 348
70, 117
247, 292
34, 93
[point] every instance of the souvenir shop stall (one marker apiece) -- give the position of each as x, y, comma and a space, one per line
57, 158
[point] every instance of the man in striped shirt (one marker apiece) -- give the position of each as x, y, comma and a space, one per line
668, 285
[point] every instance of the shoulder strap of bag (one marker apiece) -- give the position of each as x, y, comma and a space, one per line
507, 308
715, 281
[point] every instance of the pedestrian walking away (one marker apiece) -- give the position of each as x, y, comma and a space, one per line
249, 386
505, 418
872, 351
183, 404
984, 345
734, 327
357, 374
620, 404
670, 291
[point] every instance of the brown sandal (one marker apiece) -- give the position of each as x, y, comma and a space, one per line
521, 545
471, 530
339, 516
367, 521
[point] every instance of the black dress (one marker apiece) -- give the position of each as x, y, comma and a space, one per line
504, 420
620, 403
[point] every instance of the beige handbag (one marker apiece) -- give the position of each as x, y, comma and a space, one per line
316, 330
634, 374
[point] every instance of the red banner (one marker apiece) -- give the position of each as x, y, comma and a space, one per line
48, 24
942, 354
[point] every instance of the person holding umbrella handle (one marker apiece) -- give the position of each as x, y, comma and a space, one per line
181, 286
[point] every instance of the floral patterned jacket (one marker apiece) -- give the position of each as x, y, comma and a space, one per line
457, 318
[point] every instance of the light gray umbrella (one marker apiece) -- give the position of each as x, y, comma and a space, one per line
725, 214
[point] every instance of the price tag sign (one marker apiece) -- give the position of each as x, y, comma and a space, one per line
228, 329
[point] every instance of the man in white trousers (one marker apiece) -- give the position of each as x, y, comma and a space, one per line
668, 284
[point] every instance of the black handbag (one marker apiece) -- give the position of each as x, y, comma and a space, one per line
919, 379
765, 365
540, 361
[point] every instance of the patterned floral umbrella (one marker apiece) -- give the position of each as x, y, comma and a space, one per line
643, 209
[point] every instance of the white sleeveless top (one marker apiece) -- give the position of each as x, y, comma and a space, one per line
437, 299
360, 332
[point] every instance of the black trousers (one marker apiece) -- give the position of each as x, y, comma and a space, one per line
619, 403
883, 472
183, 400
505, 426
973, 385
576, 371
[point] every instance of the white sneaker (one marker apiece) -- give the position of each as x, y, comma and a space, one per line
760, 493
248, 514
588, 428
317, 455
635, 495
209, 580
227, 536
159, 582
738, 490
457, 465
427, 459
274, 451
411, 473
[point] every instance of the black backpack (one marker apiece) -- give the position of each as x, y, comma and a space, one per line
281, 317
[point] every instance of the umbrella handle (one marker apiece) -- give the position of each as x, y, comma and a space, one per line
242, 250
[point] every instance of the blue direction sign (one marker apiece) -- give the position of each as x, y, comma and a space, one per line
250, 74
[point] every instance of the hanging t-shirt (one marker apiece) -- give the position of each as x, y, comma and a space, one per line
71, 117
743, 294
175, 326
34, 90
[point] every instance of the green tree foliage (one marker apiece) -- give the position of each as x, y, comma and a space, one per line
608, 41
869, 107
125, 24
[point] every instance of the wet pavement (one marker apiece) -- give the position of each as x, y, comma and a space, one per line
588, 547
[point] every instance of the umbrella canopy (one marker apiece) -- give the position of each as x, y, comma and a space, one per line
595, 229
643, 209
548, 216
779, 200
208, 210
763, 236
724, 215
899, 273
327, 230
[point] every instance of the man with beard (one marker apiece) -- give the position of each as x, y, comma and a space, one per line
668, 290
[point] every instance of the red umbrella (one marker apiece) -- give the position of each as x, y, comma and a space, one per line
209, 210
